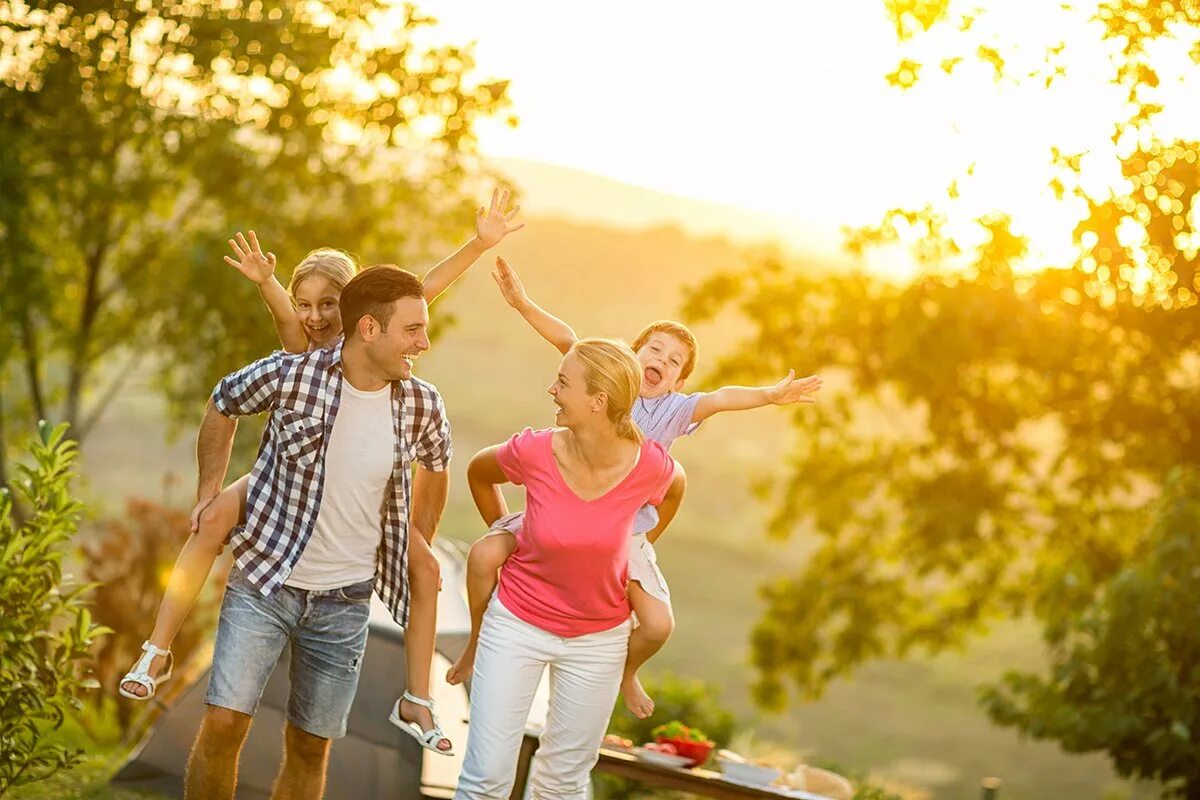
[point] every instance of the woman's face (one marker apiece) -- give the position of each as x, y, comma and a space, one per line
569, 391
317, 309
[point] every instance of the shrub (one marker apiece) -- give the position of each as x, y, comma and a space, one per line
45, 630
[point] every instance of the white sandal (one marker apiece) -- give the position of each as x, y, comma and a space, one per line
427, 739
140, 674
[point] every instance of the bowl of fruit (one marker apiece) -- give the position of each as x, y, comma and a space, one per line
690, 743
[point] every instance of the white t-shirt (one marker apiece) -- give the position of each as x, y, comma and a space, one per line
358, 468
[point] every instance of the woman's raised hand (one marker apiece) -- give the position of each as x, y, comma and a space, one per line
251, 261
491, 225
510, 285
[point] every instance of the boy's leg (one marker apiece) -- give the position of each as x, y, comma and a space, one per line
420, 637
192, 568
655, 625
484, 560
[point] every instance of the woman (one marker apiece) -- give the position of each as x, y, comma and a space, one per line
562, 598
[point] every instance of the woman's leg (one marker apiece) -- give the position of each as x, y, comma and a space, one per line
420, 637
511, 657
584, 680
484, 560
192, 567
656, 622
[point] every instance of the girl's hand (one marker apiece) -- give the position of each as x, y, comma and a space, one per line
492, 226
789, 390
251, 261
510, 285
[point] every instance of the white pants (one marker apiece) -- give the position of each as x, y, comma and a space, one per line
585, 675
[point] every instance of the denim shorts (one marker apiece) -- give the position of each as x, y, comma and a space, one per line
327, 631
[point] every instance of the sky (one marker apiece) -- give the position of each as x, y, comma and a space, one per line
784, 109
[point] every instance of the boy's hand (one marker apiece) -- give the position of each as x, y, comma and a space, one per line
492, 226
251, 261
789, 390
510, 285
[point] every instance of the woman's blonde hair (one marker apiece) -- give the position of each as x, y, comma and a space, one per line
335, 266
611, 367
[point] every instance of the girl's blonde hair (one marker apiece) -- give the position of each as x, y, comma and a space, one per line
611, 367
335, 266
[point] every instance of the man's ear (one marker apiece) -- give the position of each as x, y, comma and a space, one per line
368, 327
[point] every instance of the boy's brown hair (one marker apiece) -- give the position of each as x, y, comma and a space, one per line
680, 332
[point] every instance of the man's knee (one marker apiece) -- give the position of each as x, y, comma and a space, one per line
223, 730
304, 747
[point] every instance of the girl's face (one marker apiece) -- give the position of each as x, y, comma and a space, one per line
569, 391
662, 358
317, 308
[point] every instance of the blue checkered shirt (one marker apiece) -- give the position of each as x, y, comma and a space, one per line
301, 391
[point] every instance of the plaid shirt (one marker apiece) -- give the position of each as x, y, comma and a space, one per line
302, 392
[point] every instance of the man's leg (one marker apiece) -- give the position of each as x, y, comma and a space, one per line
213, 763
305, 758
484, 560
251, 633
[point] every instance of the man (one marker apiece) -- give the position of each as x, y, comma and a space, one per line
327, 520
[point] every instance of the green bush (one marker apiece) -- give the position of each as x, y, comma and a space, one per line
45, 630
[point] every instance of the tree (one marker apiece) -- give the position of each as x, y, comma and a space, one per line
139, 135
45, 629
1001, 425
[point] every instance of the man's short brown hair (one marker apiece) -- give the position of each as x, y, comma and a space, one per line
373, 292
680, 332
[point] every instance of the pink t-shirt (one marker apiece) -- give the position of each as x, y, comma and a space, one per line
569, 571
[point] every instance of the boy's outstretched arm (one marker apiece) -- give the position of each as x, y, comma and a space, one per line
741, 398
491, 226
548, 326
670, 504
260, 268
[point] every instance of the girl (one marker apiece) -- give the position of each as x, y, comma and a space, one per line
306, 317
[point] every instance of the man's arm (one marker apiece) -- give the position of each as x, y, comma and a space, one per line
490, 228
214, 443
670, 504
548, 326
484, 476
430, 490
741, 398
260, 269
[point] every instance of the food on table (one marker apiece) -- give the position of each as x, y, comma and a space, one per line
820, 781
617, 742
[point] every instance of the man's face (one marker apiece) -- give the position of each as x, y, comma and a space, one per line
393, 351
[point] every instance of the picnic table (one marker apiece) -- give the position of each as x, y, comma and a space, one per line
696, 780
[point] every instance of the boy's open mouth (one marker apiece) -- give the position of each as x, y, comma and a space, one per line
652, 376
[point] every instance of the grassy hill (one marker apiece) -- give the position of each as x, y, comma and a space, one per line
916, 722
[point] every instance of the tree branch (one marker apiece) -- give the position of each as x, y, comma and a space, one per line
110, 394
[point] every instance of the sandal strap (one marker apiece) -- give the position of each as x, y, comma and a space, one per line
421, 701
155, 649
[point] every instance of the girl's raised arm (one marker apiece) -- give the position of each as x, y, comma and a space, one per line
260, 268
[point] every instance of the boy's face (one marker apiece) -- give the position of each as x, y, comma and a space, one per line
662, 358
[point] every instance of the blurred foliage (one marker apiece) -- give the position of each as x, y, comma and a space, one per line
45, 629
139, 135
1125, 668
992, 434
130, 562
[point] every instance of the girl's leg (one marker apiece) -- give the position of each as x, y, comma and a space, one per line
484, 560
420, 637
655, 625
192, 567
